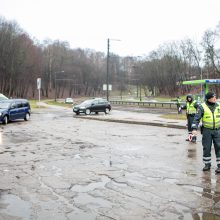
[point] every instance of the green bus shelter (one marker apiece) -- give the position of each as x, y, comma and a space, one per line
204, 82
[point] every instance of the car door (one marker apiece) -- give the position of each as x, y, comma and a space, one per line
101, 105
21, 109
94, 106
13, 111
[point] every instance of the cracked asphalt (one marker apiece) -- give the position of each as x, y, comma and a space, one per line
62, 167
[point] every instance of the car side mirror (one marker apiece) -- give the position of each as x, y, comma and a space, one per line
12, 106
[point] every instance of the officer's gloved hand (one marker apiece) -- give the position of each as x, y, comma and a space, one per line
194, 132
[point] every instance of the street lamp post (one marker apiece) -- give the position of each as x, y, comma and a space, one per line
140, 93
201, 84
55, 97
138, 71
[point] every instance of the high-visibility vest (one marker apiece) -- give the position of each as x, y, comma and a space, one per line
190, 109
211, 119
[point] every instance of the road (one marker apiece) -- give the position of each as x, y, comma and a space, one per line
61, 167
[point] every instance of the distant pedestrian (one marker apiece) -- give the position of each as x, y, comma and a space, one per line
191, 109
209, 112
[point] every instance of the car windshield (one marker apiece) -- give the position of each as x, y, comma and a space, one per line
4, 104
87, 102
2, 97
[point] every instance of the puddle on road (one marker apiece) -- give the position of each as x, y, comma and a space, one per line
201, 216
205, 192
191, 153
0, 138
14, 206
196, 189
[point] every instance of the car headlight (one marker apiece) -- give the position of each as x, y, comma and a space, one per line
0, 114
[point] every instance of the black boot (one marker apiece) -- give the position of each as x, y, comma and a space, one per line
218, 169
207, 167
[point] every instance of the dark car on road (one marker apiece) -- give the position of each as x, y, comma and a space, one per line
93, 105
13, 109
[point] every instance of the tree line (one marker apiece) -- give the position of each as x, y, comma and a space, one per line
82, 72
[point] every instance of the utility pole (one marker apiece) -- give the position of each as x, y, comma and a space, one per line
55, 98
107, 77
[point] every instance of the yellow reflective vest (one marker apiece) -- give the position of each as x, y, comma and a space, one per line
211, 120
190, 109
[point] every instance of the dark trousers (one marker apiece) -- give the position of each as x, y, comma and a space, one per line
210, 136
189, 122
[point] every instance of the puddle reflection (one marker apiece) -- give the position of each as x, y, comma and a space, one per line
211, 187
205, 216
0, 138
191, 152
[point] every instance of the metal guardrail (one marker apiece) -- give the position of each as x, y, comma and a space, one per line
171, 105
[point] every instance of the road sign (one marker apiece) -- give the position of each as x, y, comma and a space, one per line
38, 83
105, 87
39, 86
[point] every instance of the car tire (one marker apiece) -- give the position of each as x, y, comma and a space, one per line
27, 117
5, 120
87, 111
107, 110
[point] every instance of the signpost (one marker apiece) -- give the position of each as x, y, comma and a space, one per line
39, 86
107, 88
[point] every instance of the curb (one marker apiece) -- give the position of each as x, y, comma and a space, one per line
135, 122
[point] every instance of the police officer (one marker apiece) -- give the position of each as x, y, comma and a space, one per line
178, 102
191, 109
209, 112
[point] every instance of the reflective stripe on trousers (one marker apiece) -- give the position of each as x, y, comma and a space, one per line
210, 136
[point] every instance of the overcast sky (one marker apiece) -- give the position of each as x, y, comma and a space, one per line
140, 25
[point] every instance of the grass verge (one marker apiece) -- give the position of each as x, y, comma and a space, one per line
174, 116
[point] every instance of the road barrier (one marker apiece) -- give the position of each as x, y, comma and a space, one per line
171, 105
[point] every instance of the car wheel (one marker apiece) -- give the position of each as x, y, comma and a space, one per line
5, 120
107, 111
27, 117
88, 111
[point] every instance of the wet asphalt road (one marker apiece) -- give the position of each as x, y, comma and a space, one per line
57, 166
